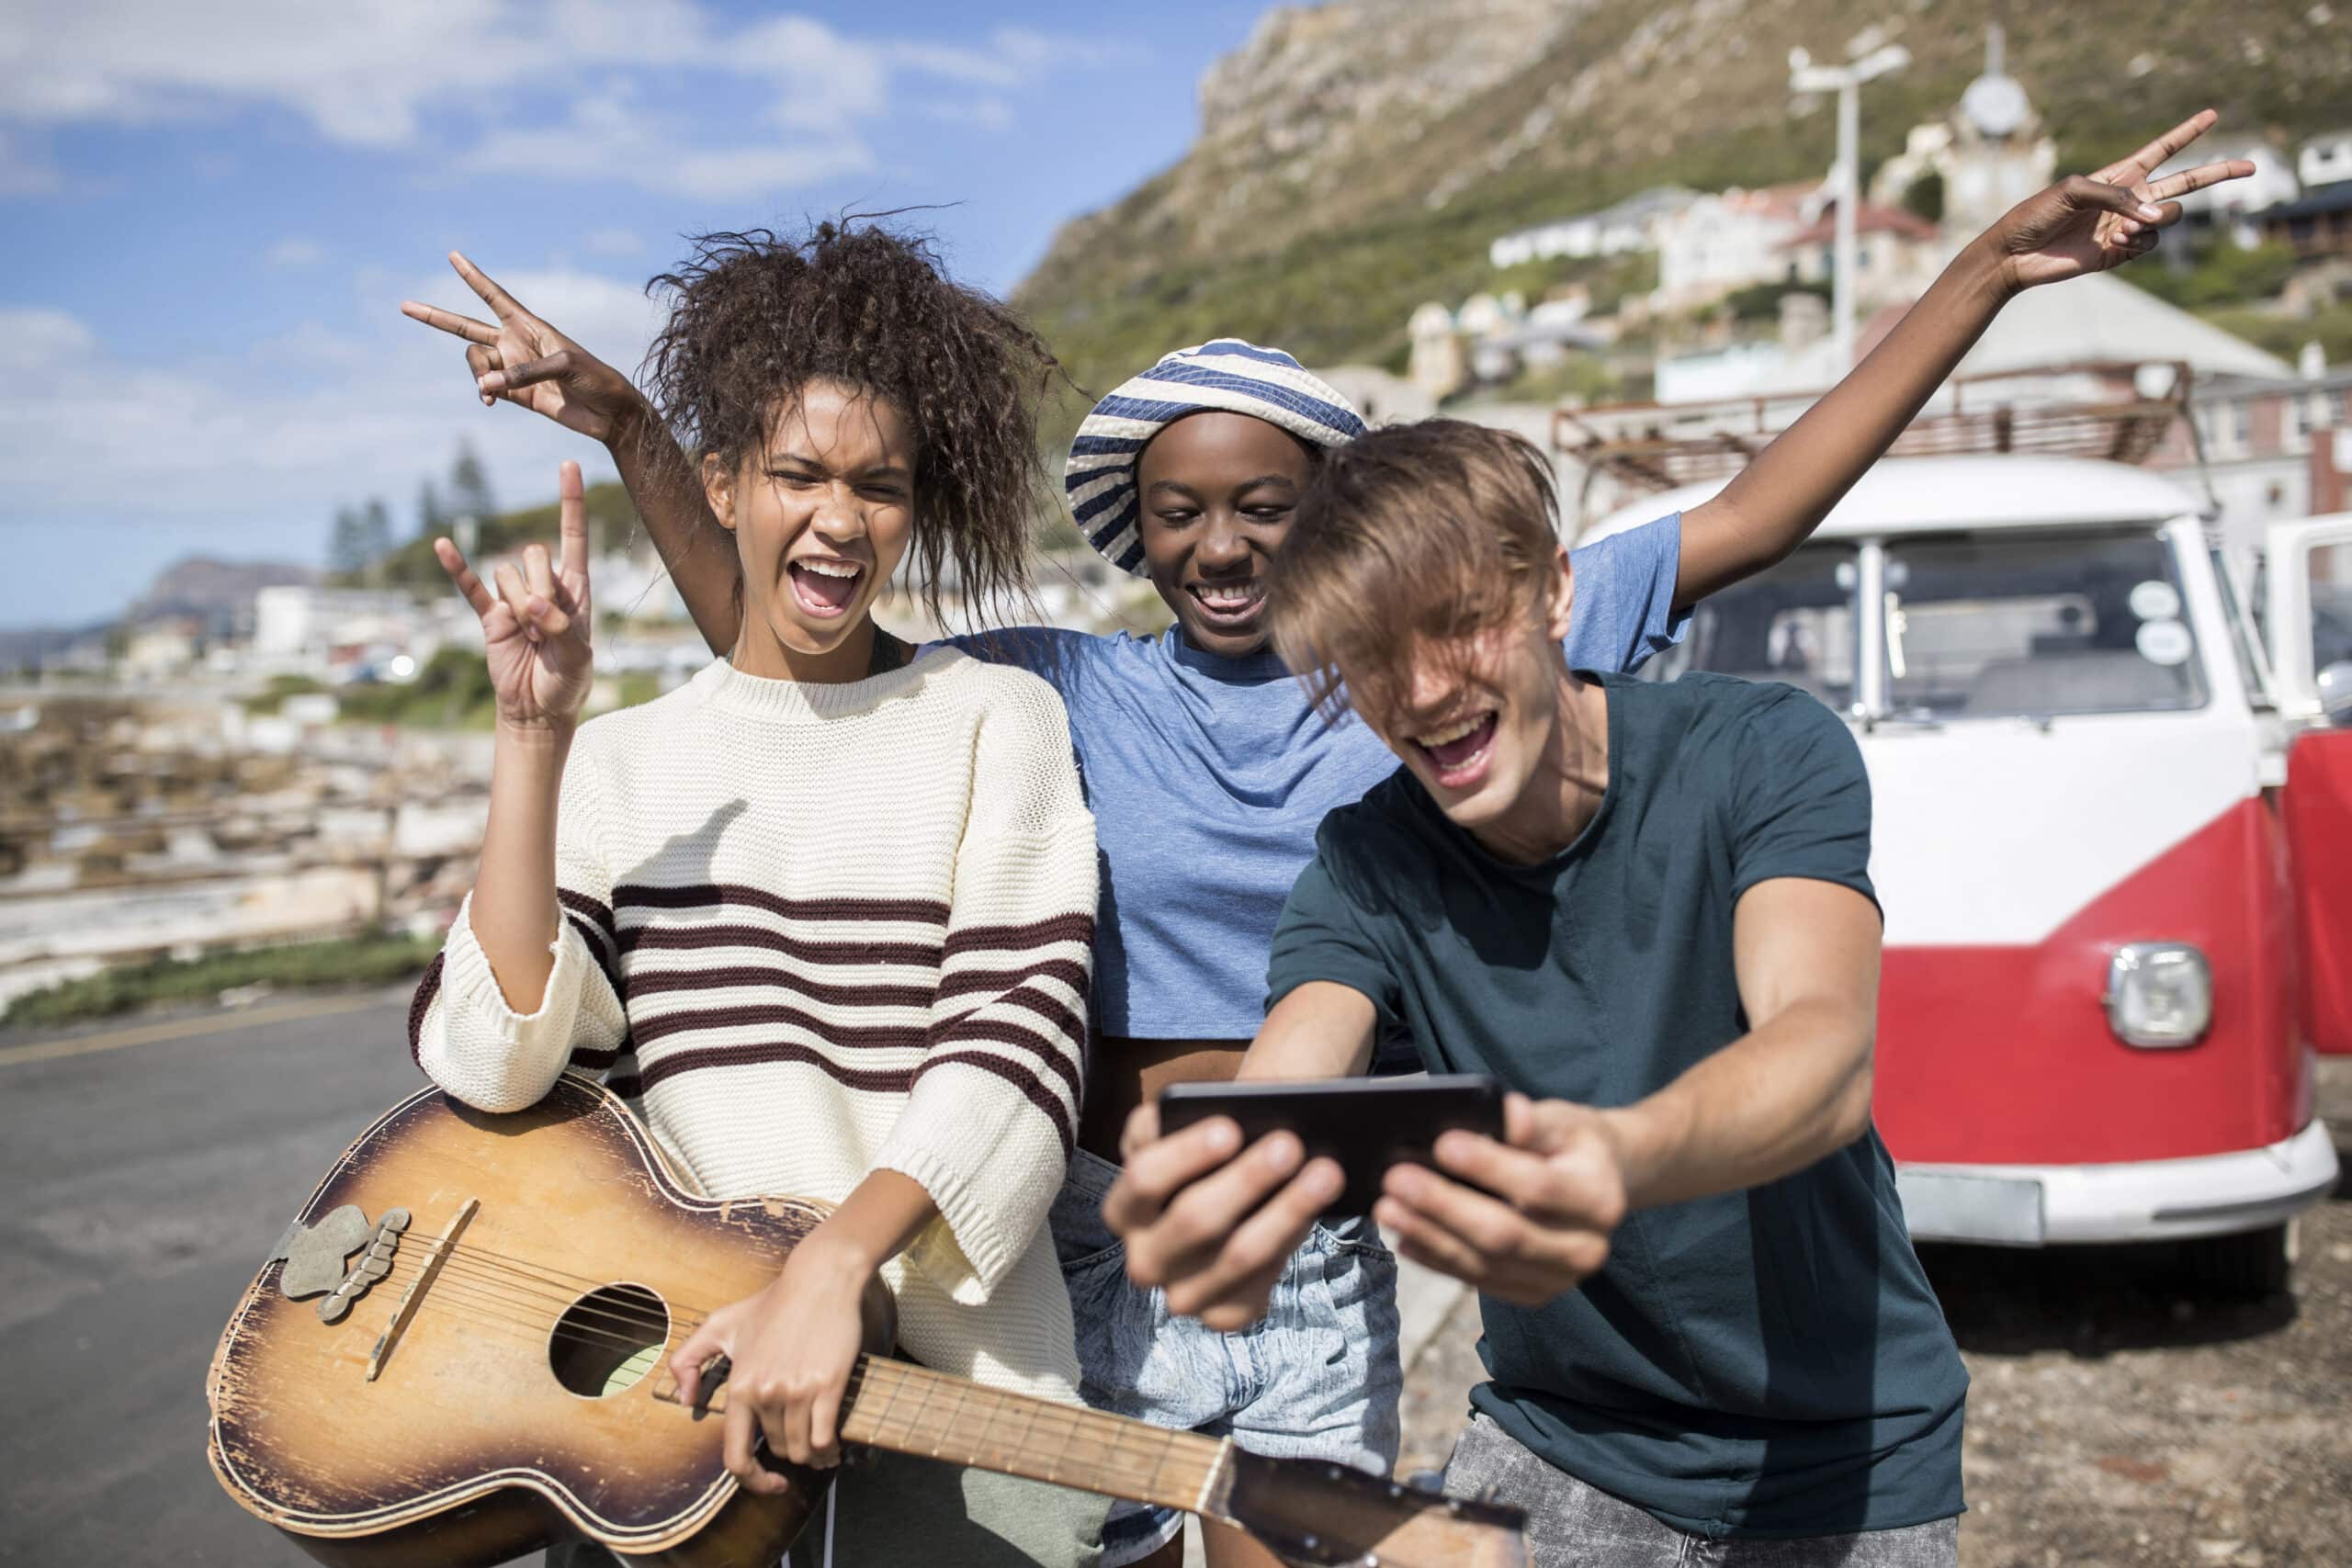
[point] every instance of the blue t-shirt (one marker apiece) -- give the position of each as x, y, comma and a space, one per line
1208, 777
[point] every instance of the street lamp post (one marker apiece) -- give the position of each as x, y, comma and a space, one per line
1846, 81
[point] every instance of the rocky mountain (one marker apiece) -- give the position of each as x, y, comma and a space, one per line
212, 590
1356, 158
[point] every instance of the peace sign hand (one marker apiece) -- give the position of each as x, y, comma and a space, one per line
535, 626
527, 362
2092, 222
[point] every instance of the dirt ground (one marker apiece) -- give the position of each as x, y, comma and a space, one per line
2118, 1417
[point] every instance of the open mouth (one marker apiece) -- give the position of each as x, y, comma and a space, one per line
824, 586
1228, 604
1458, 752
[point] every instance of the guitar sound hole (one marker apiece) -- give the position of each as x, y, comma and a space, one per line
609, 1339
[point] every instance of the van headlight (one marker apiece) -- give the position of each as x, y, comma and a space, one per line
2159, 994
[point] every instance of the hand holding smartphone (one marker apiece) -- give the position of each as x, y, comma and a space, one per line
1366, 1124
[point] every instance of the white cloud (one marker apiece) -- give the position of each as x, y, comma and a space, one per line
25, 170
613, 242
359, 70
366, 73
295, 251
35, 340
309, 421
609, 137
1012, 57
986, 111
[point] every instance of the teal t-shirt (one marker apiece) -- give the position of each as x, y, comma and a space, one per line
1770, 1362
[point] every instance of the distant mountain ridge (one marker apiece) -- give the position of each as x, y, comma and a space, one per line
1356, 158
211, 590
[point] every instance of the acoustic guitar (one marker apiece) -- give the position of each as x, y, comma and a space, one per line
458, 1355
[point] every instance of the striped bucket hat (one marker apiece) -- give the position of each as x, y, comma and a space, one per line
1227, 373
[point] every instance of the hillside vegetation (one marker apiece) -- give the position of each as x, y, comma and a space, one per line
1358, 157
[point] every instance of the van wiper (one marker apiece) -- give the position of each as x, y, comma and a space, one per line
1907, 718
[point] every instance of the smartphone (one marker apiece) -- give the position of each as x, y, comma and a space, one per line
1367, 1124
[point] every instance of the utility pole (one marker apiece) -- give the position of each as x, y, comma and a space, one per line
1846, 81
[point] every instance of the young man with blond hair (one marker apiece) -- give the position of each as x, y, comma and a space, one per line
1645, 908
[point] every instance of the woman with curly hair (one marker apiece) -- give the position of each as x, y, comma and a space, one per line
825, 913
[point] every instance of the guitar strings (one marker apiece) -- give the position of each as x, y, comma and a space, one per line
1055, 1430
485, 1287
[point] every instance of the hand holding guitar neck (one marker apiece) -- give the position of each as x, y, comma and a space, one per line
536, 627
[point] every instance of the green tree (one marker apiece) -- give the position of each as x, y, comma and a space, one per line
1924, 198
347, 545
469, 486
375, 537
432, 518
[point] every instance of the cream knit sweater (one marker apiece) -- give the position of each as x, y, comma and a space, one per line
818, 931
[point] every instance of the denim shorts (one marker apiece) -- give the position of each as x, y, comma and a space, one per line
1317, 1378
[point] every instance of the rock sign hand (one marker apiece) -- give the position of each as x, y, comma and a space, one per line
2091, 222
529, 363
534, 627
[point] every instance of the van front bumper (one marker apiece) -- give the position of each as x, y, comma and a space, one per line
2048, 1205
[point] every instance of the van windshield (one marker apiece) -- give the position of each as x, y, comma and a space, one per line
1994, 625
1796, 623
2037, 625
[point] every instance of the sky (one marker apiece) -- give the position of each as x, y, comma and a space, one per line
211, 213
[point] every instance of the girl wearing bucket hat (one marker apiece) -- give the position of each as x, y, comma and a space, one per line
1208, 770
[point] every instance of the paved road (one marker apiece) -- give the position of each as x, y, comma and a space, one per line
146, 1169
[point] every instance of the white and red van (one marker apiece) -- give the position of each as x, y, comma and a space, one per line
2113, 840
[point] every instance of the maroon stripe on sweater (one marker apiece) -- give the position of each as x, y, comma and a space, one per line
429, 986
655, 981
872, 1037
965, 982
595, 910
1030, 1086
689, 938
597, 951
629, 1086
708, 895
1029, 998
1019, 939
595, 1060
1003, 1032
892, 1082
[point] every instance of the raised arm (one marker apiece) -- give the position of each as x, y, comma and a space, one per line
518, 986
2085, 223
525, 361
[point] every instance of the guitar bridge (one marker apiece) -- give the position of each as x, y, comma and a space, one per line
315, 1254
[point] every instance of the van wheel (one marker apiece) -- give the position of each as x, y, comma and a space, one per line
2250, 1265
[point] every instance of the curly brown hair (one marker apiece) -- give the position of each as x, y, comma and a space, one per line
755, 316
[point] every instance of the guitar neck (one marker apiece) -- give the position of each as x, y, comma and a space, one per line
913, 1410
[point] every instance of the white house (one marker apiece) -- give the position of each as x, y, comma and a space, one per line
1896, 253
1728, 241
2325, 159
1627, 227
305, 622
2231, 205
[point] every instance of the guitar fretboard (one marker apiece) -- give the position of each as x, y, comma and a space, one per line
912, 1409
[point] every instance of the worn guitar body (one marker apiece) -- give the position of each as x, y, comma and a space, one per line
466, 1448
458, 1356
